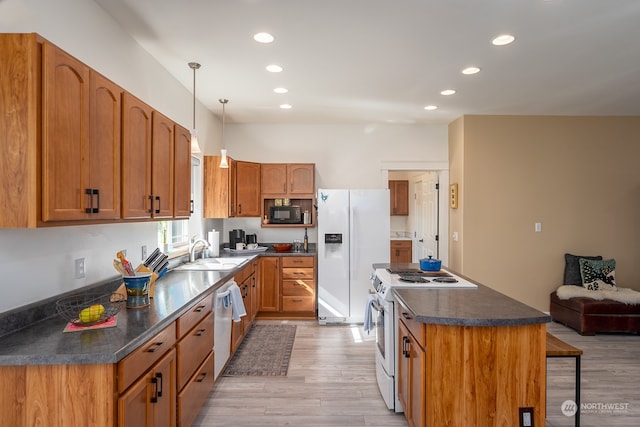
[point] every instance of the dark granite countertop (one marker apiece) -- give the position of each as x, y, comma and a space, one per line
44, 343
481, 306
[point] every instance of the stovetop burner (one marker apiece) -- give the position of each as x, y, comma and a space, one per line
413, 278
445, 280
417, 272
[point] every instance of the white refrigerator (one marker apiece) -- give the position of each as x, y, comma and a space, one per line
353, 234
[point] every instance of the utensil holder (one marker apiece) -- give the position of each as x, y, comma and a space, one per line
137, 290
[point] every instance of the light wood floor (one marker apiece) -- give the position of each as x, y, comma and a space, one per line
610, 375
331, 383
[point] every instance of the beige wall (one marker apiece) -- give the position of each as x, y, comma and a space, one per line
578, 176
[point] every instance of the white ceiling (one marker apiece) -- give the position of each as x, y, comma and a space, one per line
364, 61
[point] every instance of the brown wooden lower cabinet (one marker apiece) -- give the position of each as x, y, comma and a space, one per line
288, 288
452, 375
400, 251
247, 281
195, 393
269, 273
151, 401
411, 370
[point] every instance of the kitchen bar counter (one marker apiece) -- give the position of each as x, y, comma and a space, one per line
481, 306
44, 343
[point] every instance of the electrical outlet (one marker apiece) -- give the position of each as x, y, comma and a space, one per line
80, 268
144, 252
526, 417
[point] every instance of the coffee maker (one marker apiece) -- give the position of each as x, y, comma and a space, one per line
236, 236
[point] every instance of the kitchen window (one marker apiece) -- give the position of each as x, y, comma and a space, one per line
173, 234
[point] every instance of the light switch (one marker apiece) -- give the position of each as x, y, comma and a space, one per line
538, 227
455, 236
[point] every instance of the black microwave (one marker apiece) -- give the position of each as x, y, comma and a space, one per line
285, 215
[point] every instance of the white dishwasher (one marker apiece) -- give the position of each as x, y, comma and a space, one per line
222, 327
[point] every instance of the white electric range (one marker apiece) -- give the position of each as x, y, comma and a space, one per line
385, 320
409, 278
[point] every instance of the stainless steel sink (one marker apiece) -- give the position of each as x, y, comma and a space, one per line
215, 264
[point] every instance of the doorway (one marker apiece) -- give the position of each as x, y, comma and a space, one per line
428, 218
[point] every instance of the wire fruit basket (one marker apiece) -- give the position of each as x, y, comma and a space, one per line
90, 308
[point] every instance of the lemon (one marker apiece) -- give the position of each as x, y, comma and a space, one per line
91, 314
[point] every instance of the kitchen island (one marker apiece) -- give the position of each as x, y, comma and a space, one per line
470, 357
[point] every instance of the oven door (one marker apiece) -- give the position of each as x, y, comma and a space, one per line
385, 335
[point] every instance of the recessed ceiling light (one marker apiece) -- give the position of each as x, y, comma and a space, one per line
263, 38
281, 90
274, 68
447, 92
431, 107
286, 106
471, 70
503, 39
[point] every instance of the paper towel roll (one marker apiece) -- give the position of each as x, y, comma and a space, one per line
213, 237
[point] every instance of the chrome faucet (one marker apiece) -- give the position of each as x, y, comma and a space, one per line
192, 249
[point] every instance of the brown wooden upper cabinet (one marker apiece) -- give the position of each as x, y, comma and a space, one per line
136, 158
80, 140
399, 190
156, 164
76, 147
232, 192
292, 180
182, 172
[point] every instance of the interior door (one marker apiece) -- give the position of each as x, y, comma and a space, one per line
426, 212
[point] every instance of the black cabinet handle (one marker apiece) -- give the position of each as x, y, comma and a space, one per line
91, 192
191, 208
158, 199
153, 347
405, 344
151, 203
159, 377
201, 377
200, 332
154, 398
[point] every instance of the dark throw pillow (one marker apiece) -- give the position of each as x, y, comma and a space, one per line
572, 268
598, 275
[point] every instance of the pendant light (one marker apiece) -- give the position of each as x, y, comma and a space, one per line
195, 147
223, 152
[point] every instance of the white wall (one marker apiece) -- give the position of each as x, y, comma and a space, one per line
39, 263
346, 156
36, 264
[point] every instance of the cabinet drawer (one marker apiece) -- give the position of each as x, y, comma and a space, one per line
298, 303
417, 329
301, 287
298, 261
195, 393
194, 315
136, 363
297, 273
193, 348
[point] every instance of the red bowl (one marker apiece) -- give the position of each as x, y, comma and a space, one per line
282, 247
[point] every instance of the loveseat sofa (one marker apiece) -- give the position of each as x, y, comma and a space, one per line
591, 315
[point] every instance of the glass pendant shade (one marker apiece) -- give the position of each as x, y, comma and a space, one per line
223, 152
195, 147
223, 159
